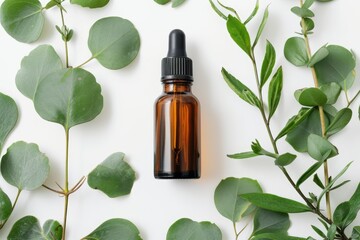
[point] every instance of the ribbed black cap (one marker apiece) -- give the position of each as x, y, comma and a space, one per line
177, 66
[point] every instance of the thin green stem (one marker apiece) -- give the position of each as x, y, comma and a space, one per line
353, 99
12, 208
66, 189
236, 232
65, 41
87, 61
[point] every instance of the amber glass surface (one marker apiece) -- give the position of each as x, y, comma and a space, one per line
177, 132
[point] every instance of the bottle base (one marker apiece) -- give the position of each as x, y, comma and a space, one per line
181, 175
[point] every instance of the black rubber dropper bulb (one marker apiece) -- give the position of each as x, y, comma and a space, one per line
177, 66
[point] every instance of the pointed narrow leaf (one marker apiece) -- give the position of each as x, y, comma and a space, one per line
90, 3
268, 63
176, 3
262, 26
240, 89
253, 13
22, 19
266, 221
332, 232
8, 117
41, 61
308, 173
119, 229
228, 199
356, 233
341, 120
285, 159
24, 166
275, 89
114, 42
311, 97
318, 182
302, 12
243, 155
322, 53
239, 34
320, 149
187, 229
114, 176
5, 207
318, 231
295, 51
69, 97
294, 122
217, 10
275, 203
230, 9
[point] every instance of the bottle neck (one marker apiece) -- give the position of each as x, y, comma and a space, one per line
177, 87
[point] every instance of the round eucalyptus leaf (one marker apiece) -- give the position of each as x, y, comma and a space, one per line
295, 51
22, 19
114, 42
24, 166
41, 61
162, 2
338, 66
5, 207
29, 228
266, 221
69, 97
90, 3
228, 200
8, 117
186, 229
332, 92
114, 176
119, 229
311, 97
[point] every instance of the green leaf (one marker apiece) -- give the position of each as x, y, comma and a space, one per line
228, 199
354, 206
311, 97
307, 24
90, 3
253, 13
295, 51
268, 63
340, 121
341, 214
8, 117
22, 19
24, 166
310, 125
356, 233
162, 2
276, 236
262, 26
29, 228
119, 229
176, 3
69, 97
302, 12
114, 42
308, 3
336, 67
51, 4
332, 92
275, 89
275, 203
322, 53
5, 207
243, 155
320, 149
239, 34
41, 61
285, 159
318, 182
266, 221
319, 232
308, 173
215, 8
332, 232
294, 122
240, 89
186, 229
230, 9
114, 176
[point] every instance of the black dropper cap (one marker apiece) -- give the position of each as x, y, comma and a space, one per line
176, 66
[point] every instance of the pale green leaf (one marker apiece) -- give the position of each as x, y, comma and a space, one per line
311, 97
8, 117
176, 3
262, 26
69, 97
332, 92
114, 42
187, 229
285, 159
243, 155
22, 19
322, 53
295, 51
90, 3
275, 90
294, 122
239, 34
320, 148
340, 121
5, 207
302, 12
266, 222
268, 63
114, 176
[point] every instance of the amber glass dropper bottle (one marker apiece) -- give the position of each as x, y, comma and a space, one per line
177, 116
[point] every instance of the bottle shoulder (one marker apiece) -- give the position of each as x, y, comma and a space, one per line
182, 97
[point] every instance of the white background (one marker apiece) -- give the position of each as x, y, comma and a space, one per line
126, 122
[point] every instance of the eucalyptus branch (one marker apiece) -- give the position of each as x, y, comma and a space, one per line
66, 189
353, 99
322, 115
12, 209
87, 61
